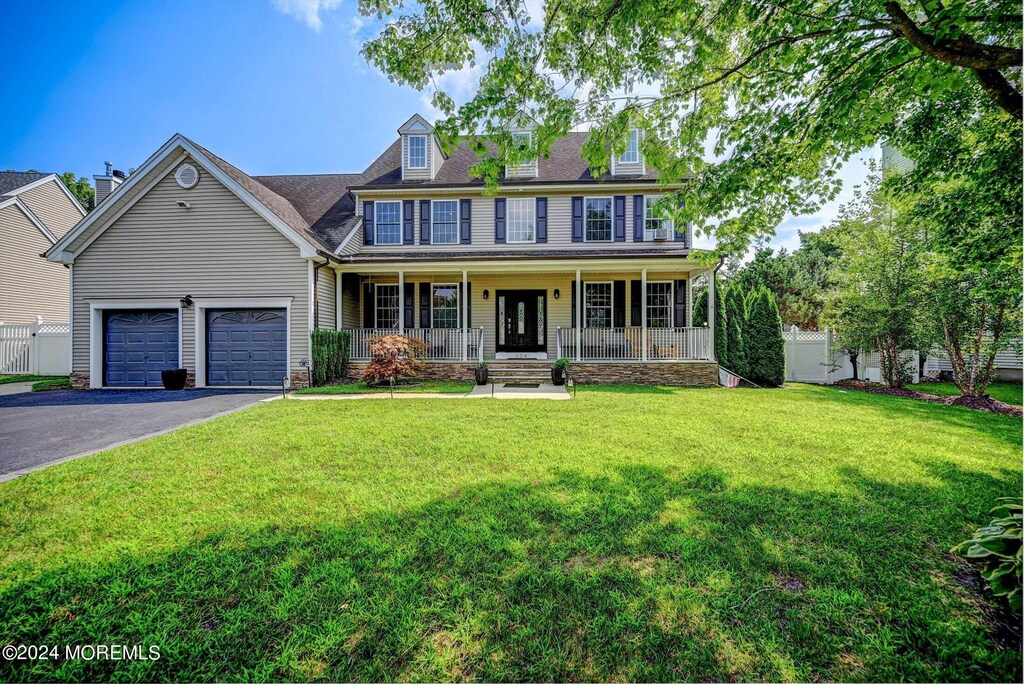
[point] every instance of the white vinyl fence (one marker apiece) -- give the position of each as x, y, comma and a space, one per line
812, 356
35, 348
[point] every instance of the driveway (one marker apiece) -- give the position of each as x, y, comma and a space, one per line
43, 428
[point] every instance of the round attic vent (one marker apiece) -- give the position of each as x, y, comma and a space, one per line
187, 176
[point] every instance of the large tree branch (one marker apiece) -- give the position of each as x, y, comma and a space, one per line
962, 52
1002, 91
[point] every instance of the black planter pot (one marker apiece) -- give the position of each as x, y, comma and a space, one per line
481, 375
558, 376
174, 379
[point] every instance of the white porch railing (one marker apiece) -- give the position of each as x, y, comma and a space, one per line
627, 344
445, 344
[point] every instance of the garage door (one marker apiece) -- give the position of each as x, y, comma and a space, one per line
137, 346
246, 347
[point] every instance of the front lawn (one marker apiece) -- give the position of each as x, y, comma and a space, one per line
1010, 392
5, 379
413, 387
654, 534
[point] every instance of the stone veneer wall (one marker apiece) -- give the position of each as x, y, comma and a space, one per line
661, 373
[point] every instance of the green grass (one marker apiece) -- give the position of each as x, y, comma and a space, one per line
4, 379
51, 384
1010, 392
654, 534
425, 387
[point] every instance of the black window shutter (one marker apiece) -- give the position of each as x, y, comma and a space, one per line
499, 220
619, 303
680, 304
466, 221
369, 314
573, 303
635, 302
409, 237
577, 220
680, 234
368, 223
620, 218
542, 219
425, 222
638, 218
424, 305
410, 305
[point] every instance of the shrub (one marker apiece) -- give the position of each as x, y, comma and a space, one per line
721, 330
998, 547
330, 353
766, 352
700, 308
561, 364
736, 317
393, 356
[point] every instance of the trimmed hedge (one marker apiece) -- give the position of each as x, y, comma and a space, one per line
700, 308
766, 352
330, 350
736, 316
721, 330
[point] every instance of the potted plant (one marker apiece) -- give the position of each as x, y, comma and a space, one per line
480, 372
558, 371
174, 378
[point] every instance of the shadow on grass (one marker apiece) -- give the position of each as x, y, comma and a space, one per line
636, 576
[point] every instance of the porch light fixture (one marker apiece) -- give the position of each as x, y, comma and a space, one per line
184, 205
486, 294
557, 293
186, 302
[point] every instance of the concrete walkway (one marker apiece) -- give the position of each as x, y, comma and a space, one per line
15, 388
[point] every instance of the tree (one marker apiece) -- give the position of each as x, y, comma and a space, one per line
766, 351
721, 328
393, 357
81, 189
737, 316
781, 92
879, 301
700, 308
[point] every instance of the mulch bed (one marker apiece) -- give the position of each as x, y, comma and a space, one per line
979, 403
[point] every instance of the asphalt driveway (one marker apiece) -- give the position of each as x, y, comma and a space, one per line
43, 428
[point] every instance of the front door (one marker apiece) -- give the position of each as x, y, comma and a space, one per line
521, 321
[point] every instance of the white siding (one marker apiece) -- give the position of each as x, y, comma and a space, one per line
326, 295
218, 248
30, 285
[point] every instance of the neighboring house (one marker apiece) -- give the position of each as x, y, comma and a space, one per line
36, 210
190, 261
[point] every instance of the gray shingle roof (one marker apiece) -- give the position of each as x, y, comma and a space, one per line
12, 180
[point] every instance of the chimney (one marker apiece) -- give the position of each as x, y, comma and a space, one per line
108, 182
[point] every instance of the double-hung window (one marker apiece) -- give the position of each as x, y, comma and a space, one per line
598, 217
631, 155
417, 151
387, 306
597, 304
657, 224
445, 224
521, 220
659, 305
388, 223
445, 304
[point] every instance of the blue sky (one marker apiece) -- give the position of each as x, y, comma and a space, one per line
274, 86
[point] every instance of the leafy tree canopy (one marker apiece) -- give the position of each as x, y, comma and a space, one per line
757, 102
81, 189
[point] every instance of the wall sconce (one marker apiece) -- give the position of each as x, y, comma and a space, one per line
182, 204
486, 294
557, 293
186, 302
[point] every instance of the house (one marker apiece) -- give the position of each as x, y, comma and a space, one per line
192, 262
36, 210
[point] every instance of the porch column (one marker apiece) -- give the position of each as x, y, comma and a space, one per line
401, 302
579, 316
464, 313
643, 314
711, 316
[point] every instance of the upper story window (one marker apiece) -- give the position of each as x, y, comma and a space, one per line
445, 305
417, 151
388, 223
659, 305
445, 222
598, 218
387, 306
657, 224
631, 155
522, 221
597, 303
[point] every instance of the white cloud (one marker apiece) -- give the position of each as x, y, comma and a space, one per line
307, 11
459, 85
535, 8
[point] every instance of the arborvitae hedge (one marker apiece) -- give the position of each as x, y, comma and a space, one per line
721, 330
330, 356
766, 352
736, 319
700, 308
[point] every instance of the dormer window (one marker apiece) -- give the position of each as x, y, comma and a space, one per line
522, 141
417, 151
631, 155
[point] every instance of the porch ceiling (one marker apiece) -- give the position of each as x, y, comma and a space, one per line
566, 265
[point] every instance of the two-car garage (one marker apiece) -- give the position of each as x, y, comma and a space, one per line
243, 347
